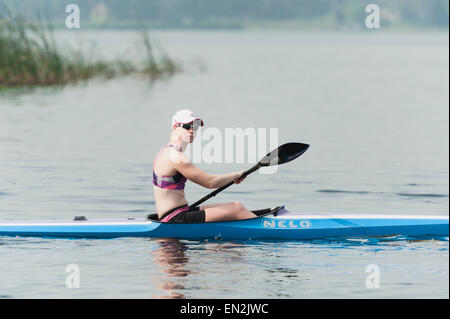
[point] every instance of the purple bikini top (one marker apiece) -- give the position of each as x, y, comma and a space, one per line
168, 182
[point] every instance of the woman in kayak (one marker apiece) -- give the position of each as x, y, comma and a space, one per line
172, 168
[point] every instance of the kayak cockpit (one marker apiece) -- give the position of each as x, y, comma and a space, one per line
258, 213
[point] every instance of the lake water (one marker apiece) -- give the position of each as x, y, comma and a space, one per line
373, 106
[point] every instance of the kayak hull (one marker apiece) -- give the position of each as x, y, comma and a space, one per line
279, 225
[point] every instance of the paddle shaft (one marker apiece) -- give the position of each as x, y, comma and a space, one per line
217, 191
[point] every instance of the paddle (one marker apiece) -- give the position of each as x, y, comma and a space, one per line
283, 154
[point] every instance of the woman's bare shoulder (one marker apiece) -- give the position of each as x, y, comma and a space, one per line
176, 157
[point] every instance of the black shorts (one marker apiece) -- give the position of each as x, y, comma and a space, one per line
193, 215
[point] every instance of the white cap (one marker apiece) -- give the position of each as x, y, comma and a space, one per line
184, 116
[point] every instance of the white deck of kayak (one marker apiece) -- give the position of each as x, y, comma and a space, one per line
293, 216
92, 222
355, 216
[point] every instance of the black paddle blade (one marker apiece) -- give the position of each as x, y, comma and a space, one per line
284, 154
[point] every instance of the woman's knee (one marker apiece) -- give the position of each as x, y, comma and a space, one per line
240, 211
238, 206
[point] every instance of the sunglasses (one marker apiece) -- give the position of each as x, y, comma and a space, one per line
188, 126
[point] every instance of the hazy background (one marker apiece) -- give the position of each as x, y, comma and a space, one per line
240, 14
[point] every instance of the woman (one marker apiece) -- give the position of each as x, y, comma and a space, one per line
172, 168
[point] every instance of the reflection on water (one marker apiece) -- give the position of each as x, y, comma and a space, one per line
180, 263
276, 269
171, 258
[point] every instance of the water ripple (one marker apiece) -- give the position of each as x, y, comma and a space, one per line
342, 191
421, 195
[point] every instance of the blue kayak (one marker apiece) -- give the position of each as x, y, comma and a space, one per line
276, 223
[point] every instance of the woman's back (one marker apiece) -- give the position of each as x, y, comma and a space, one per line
168, 183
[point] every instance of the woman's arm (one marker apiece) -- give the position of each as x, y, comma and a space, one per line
198, 176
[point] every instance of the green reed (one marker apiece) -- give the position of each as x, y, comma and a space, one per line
29, 56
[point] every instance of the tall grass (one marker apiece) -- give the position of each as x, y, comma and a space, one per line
29, 56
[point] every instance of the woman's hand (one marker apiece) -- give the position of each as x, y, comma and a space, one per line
239, 177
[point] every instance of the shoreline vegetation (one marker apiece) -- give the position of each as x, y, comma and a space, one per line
29, 56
